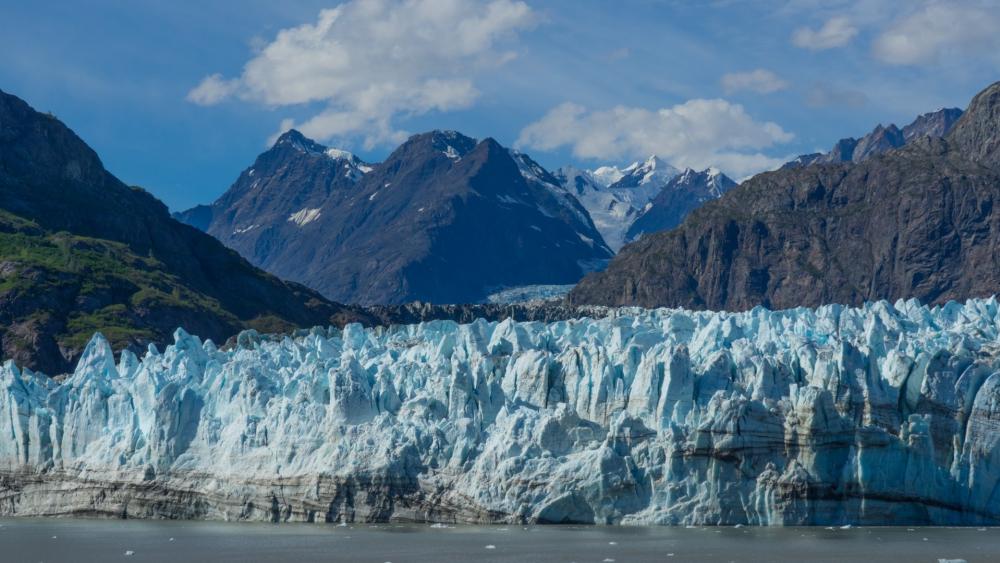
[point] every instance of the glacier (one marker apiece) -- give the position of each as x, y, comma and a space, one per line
882, 414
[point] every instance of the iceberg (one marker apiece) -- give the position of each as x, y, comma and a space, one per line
882, 414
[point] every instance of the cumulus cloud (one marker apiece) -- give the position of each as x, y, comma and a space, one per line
698, 133
836, 32
939, 29
760, 80
212, 90
370, 61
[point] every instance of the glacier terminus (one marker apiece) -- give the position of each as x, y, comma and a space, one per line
884, 414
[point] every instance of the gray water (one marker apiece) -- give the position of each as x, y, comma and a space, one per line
83, 541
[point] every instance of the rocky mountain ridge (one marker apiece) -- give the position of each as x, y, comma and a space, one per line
80, 252
883, 139
445, 218
918, 221
679, 197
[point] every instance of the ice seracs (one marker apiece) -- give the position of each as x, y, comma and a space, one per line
833, 416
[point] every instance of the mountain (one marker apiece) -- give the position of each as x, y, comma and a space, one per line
269, 203
883, 139
919, 221
933, 124
80, 251
881, 415
682, 195
614, 197
445, 218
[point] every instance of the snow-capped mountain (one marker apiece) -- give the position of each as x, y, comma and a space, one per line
615, 197
445, 218
260, 199
683, 194
650, 173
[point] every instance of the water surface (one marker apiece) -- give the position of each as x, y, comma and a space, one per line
84, 541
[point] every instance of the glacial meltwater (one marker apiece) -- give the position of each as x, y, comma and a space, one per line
83, 541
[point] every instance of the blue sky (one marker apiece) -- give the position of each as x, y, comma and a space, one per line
178, 97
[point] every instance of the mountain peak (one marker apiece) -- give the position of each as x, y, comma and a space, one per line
653, 170
680, 196
977, 132
296, 140
452, 144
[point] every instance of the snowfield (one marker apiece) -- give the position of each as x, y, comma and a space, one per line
886, 414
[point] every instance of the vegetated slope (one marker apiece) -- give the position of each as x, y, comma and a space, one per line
80, 251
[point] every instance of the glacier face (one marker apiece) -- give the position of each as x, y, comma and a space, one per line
887, 414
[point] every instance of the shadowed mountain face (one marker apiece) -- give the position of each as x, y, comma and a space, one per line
80, 251
919, 221
286, 187
445, 219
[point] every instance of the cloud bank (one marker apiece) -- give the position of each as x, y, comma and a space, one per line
941, 29
698, 133
370, 61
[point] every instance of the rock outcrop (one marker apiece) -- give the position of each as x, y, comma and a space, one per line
915, 222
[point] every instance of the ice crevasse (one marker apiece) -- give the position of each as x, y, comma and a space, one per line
884, 414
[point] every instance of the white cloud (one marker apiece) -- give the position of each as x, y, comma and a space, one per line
939, 29
760, 80
698, 133
212, 90
836, 32
370, 61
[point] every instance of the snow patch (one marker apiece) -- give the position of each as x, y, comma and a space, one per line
338, 154
305, 216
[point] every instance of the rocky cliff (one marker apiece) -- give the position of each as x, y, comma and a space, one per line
918, 221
